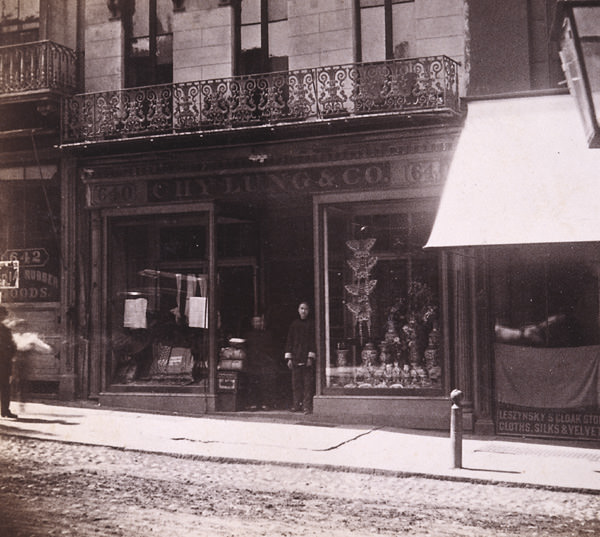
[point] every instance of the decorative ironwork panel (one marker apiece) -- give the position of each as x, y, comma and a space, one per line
302, 102
37, 66
324, 93
187, 106
424, 84
334, 87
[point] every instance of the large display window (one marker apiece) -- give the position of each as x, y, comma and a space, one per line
546, 296
159, 290
547, 340
158, 318
382, 311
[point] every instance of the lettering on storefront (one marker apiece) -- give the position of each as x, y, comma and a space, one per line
576, 424
35, 285
270, 183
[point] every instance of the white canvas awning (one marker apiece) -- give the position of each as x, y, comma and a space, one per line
522, 174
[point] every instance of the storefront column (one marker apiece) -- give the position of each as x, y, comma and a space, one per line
212, 311
68, 321
482, 356
96, 356
320, 311
463, 347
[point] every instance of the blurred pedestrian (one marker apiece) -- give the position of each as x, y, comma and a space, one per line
300, 354
8, 348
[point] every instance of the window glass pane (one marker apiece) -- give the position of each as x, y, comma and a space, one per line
546, 300
588, 27
10, 10
251, 37
140, 47
372, 34
29, 9
383, 301
158, 298
277, 10
182, 243
236, 240
278, 38
142, 69
403, 29
164, 49
250, 12
164, 16
141, 19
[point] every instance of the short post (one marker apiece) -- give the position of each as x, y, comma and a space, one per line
456, 428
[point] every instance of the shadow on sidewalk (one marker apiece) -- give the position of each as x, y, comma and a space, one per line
47, 422
491, 470
16, 431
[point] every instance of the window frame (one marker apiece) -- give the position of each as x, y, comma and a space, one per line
264, 59
388, 25
327, 351
132, 74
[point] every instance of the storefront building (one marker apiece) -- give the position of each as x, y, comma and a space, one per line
229, 159
529, 228
38, 68
214, 199
203, 253
520, 209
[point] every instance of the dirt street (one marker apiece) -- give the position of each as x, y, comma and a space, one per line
51, 488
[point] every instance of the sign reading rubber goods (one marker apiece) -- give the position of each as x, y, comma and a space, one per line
9, 274
29, 275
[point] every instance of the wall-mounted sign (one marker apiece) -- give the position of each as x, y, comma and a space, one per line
575, 424
37, 277
382, 175
9, 274
27, 257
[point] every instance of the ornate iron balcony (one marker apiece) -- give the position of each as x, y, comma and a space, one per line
414, 86
36, 67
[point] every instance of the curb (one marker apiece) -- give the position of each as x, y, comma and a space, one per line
319, 466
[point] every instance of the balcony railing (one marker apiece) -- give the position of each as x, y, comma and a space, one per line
423, 85
38, 66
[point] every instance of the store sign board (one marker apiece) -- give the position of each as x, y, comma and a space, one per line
294, 182
9, 274
579, 424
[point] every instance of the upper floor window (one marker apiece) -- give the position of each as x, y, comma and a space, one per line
511, 47
149, 42
386, 29
262, 37
19, 21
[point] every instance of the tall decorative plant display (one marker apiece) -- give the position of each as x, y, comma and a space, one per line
361, 263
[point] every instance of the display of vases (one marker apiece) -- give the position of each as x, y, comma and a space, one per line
369, 355
342, 357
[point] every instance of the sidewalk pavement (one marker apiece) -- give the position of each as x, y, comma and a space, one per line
284, 438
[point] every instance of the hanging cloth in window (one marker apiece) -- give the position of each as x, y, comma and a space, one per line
197, 306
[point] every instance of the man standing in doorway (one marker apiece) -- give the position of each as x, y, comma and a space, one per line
300, 354
7, 351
